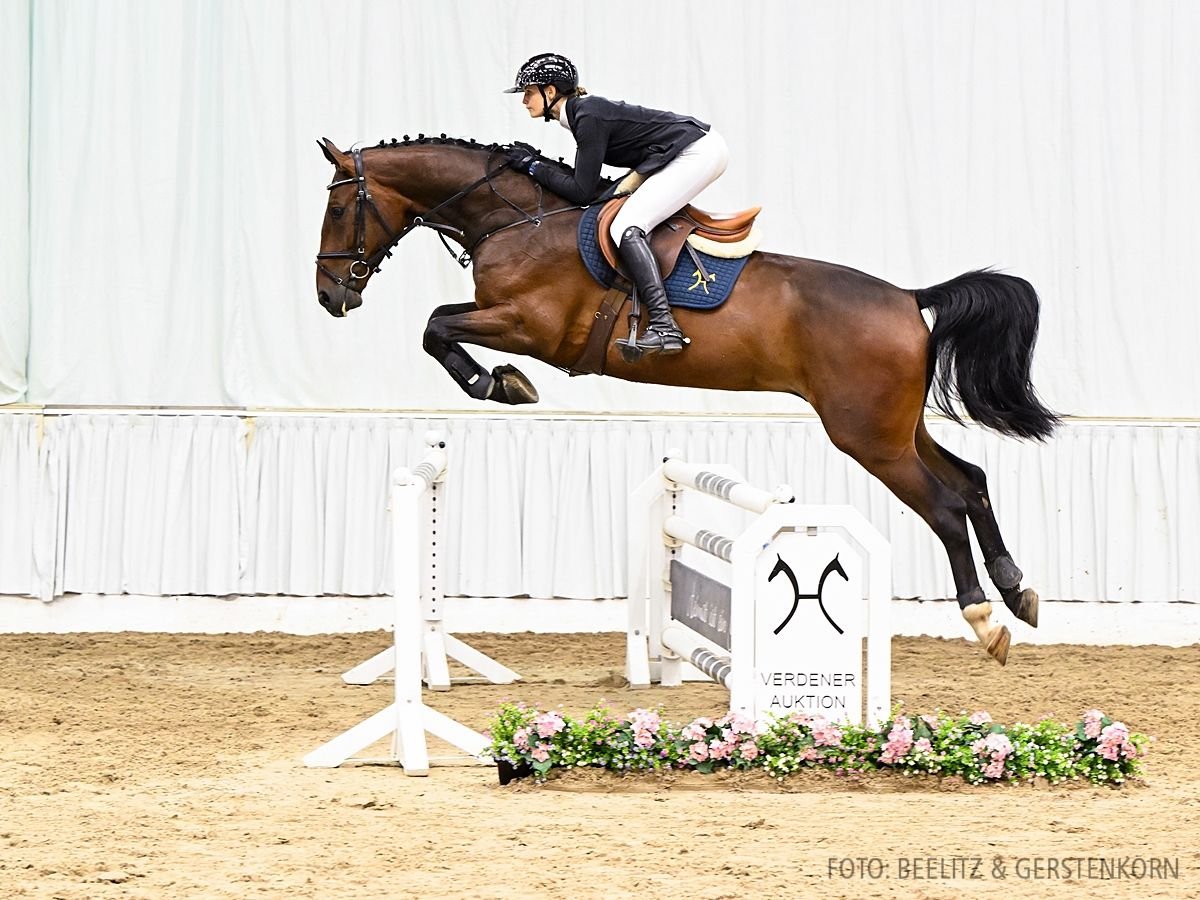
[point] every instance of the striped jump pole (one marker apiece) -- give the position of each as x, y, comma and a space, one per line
724, 488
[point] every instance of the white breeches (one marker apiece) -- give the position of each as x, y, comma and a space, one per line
671, 188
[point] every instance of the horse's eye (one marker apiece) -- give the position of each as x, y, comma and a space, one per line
336, 211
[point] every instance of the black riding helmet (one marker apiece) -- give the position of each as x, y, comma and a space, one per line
544, 69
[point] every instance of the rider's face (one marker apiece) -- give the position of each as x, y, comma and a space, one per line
532, 99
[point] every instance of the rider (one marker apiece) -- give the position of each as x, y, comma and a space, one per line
679, 156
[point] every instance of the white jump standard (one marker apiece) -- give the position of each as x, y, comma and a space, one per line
777, 614
437, 647
407, 719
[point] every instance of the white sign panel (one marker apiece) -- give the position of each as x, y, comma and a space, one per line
810, 622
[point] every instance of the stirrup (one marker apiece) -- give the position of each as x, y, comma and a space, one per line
668, 343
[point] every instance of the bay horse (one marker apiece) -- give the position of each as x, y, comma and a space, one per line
855, 347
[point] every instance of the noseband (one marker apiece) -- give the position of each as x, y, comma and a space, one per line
362, 265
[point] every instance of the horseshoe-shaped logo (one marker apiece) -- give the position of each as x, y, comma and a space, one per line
781, 566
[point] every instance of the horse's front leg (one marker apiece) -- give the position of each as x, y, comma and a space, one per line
494, 328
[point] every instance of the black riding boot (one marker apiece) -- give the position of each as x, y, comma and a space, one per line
662, 334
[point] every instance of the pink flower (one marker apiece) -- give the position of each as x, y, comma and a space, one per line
699, 751
998, 744
1113, 741
541, 752
931, 721
923, 746
996, 748
721, 749
644, 720
825, 733
749, 750
695, 732
809, 754
899, 742
979, 718
549, 723
740, 723
643, 739
1093, 723
521, 738
1117, 731
645, 725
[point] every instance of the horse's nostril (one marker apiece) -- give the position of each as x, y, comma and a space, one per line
323, 298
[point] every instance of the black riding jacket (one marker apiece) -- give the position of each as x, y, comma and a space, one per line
619, 134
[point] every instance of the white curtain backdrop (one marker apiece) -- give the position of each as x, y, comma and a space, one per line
163, 208
297, 505
176, 191
28, 504
14, 211
152, 503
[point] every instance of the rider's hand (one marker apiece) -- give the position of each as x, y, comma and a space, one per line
520, 158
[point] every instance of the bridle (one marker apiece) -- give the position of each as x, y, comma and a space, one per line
362, 265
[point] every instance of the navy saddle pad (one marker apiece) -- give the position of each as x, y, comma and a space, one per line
685, 285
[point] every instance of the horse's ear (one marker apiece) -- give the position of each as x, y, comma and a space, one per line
331, 152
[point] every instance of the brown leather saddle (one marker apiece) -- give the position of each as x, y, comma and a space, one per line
666, 241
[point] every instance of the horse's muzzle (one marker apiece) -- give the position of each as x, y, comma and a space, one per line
339, 300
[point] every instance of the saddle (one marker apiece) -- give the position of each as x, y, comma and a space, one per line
730, 236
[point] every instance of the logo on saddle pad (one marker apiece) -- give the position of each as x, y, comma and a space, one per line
696, 278
701, 280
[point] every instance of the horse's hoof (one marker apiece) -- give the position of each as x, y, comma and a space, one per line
1023, 605
512, 387
997, 646
995, 638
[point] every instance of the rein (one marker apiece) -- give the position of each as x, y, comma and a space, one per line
364, 201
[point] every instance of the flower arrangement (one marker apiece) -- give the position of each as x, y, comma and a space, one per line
1096, 749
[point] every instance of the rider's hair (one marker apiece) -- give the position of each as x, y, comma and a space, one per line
565, 90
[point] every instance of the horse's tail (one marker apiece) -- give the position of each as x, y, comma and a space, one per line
980, 351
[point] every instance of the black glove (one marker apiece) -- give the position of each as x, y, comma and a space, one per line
520, 157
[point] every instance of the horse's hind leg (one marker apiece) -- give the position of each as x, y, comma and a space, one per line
465, 321
901, 469
970, 483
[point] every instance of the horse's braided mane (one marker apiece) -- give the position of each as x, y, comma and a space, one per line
467, 143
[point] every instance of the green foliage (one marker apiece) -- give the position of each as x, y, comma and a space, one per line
971, 747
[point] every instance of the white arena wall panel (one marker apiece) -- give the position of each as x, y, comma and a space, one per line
131, 506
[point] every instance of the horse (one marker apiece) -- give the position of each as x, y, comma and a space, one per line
855, 347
